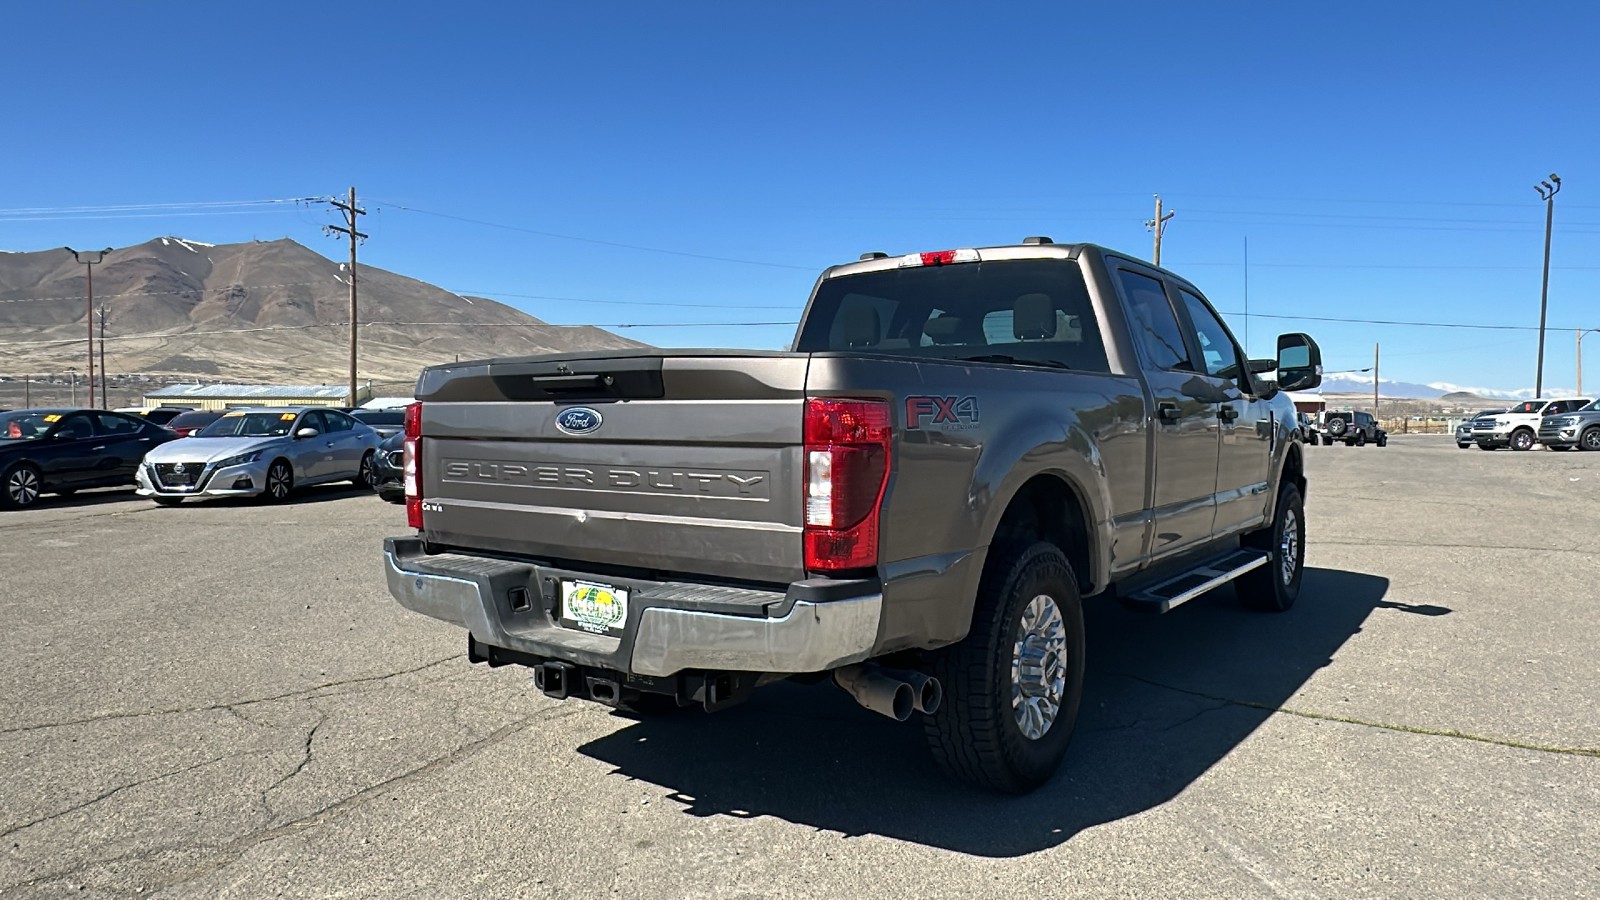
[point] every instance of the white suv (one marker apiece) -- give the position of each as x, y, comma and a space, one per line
1518, 427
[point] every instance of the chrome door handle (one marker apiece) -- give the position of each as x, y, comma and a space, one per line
101, 447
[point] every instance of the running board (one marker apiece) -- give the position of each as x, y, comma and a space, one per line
1165, 595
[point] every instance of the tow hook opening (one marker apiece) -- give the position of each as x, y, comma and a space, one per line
604, 690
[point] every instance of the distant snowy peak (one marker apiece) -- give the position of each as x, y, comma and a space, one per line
1494, 394
184, 243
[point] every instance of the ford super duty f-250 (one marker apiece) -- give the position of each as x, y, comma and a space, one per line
911, 501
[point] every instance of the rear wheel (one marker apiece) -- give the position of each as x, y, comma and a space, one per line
1275, 586
1591, 438
21, 487
1014, 684
364, 474
1383, 439
280, 482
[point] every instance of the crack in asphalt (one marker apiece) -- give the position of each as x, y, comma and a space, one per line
305, 760
302, 693
106, 795
226, 854
1351, 720
235, 850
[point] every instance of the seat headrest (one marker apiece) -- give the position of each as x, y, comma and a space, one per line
1033, 318
943, 329
860, 326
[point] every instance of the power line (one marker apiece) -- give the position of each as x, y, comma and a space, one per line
180, 293
603, 243
31, 210
671, 304
1389, 322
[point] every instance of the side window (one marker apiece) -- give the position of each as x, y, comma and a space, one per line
1221, 359
111, 424
337, 421
1155, 327
313, 419
78, 425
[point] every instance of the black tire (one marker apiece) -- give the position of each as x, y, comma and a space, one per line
1266, 588
364, 473
1462, 446
277, 489
1522, 439
167, 501
1337, 426
1361, 439
975, 734
1590, 439
1383, 439
21, 487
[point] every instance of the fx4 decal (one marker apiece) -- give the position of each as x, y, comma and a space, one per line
948, 413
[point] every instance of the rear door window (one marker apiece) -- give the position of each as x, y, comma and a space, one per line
1220, 357
1155, 325
1033, 309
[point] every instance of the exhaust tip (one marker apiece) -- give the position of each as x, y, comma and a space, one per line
904, 702
929, 696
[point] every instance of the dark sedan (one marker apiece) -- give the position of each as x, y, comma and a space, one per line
60, 451
186, 424
387, 478
386, 422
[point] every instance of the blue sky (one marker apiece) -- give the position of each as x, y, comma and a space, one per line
1378, 159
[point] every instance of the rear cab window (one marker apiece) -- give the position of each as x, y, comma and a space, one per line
1029, 310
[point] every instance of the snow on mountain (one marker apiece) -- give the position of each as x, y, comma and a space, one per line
1496, 394
1358, 383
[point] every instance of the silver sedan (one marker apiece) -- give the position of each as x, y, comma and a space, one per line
260, 452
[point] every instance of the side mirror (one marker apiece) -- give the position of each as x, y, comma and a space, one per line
1299, 362
306, 433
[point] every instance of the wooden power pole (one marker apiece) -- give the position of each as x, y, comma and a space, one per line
1159, 226
350, 211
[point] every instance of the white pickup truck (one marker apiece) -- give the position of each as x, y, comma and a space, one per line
1518, 427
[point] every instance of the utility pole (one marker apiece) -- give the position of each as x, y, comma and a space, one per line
1374, 382
1547, 193
350, 211
72, 375
1158, 225
88, 315
1582, 333
105, 392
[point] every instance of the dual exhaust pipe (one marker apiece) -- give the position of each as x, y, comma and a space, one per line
890, 692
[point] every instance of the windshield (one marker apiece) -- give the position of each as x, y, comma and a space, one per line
193, 419
1532, 406
27, 426
1020, 311
250, 424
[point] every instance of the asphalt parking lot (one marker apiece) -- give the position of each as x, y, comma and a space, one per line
222, 700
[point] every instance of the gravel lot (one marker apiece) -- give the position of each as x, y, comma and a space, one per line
222, 700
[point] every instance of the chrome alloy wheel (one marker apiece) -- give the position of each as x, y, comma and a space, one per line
1289, 546
23, 486
278, 481
1038, 667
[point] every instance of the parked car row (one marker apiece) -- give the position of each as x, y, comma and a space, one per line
1558, 424
265, 452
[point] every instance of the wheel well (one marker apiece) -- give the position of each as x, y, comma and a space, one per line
1048, 509
1294, 470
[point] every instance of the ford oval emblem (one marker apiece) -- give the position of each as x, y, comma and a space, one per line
578, 420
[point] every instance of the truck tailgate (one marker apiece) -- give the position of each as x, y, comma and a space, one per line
694, 465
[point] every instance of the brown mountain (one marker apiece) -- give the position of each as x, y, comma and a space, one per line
264, 311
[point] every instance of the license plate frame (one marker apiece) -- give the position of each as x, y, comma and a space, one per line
594, 606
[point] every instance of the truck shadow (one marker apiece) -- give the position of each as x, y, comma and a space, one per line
1167, 698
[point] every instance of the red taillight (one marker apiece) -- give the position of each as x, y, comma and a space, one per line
411, 465
939, 258
847, 446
